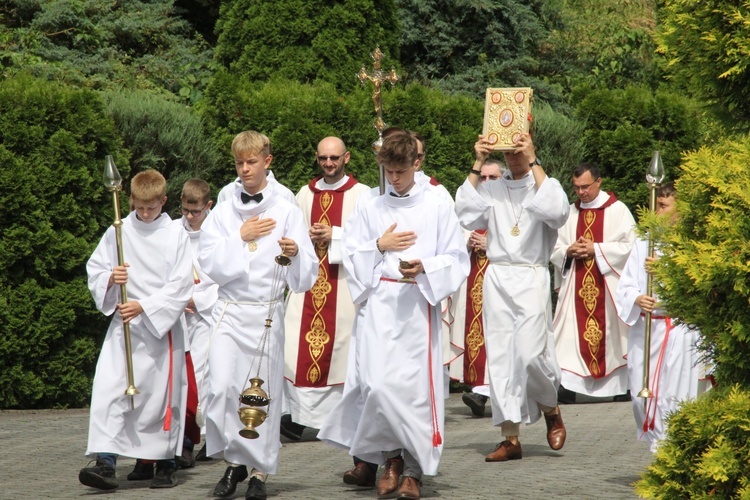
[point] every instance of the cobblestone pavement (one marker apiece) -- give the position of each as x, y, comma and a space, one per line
42, 452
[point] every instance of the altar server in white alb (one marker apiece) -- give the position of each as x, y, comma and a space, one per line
676, 372
521, 212
196, 205
158, 273
239, 242
404, 253
318, 323
592, 248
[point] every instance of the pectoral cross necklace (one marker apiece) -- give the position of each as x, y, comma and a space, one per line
515, 230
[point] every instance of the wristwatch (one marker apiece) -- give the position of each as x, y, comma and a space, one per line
535, 162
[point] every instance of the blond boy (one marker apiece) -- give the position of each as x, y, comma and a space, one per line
158, 275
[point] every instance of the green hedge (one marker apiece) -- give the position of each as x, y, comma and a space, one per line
625, 126
297, 116
53, 140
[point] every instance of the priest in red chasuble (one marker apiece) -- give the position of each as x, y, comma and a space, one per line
318, 323
589, 256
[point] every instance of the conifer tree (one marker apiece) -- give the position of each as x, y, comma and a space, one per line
305, 40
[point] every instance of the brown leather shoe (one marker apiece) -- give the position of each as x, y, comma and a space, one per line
388, 482
505, 451
360, 475
555, 430
409, 489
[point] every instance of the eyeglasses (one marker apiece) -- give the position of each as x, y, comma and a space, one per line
585, 187
194, 213
489, 177
333, 158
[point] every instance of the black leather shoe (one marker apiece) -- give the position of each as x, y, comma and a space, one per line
228, 484
101, 477
290, 429
141, 471
256, 490
476, 402
165, 476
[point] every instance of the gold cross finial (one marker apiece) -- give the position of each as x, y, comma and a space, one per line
377, 77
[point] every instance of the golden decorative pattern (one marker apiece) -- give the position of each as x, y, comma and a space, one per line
506, 112
317, 337
474, 338
589, 293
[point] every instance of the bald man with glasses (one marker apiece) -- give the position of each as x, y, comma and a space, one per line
318, 323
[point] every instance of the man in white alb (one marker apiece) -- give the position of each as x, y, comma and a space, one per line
522, 212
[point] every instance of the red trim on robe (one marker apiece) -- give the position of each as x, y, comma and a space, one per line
434, 181
590, 288
318, 323
475, 354
192, 430
651, 403
170, 385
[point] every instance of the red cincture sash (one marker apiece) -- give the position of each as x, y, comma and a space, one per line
434, 181
318, 326
475, 357
590, 292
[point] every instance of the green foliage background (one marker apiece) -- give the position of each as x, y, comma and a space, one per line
52, 140
166, 84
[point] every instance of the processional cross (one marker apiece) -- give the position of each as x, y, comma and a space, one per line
377, 77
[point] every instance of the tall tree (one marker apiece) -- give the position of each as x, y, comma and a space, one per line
707, 49
468, 45
305, 40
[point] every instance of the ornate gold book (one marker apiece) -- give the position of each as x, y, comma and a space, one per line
506, 116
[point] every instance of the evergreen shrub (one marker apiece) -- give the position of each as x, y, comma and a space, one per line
305, 40
704, 280
53, 140
625, 126
707, 450
166, 136
296, 117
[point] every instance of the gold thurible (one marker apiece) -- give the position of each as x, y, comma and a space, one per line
255, 397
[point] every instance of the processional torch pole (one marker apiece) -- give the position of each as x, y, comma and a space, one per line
377, 77
113, 183
654, 177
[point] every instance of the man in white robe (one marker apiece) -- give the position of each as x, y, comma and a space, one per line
676, 372
159, 279
239, 242
318, 323
591, 250
404, 253
522, 212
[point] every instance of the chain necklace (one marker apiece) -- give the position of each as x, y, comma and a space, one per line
515, 230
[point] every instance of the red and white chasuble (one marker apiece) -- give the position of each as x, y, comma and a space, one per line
590, 339
318, 323
468, 329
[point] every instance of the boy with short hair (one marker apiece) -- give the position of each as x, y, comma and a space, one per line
158, 274
239, 243
195, 206
404, 253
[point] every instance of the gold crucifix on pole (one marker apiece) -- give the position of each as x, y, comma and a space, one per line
377, 77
